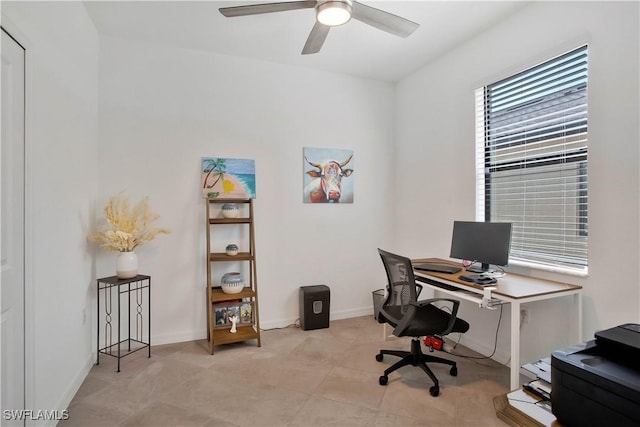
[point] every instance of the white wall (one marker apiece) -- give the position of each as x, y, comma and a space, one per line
435, 143
61, 150
162, 109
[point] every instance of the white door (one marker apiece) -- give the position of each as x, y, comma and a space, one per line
12, 230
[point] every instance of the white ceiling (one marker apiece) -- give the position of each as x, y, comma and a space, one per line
354, 48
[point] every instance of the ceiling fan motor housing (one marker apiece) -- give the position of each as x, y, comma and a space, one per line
334, 12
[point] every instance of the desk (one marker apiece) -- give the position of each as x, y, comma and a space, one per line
513, 289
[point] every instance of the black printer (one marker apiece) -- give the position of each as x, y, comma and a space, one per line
598, 382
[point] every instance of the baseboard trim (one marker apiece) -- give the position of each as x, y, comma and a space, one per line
179, 337
67, 397
333, 315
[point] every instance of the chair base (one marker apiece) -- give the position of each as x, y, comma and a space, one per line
416, 357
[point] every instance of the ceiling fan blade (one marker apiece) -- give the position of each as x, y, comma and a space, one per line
316, 38
256, 9
382, 20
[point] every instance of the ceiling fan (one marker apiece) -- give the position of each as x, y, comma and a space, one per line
330, 13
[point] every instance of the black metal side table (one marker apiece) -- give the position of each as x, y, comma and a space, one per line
112, 287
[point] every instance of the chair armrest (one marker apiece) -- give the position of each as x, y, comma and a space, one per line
417, 305
386, 317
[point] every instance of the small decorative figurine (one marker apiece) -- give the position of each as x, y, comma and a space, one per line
233, 319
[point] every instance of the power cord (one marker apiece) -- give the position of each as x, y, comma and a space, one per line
494, 274
495, 343
544, 404
295, 324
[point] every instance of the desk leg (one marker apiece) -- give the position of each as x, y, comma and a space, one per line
515, 345
577, 304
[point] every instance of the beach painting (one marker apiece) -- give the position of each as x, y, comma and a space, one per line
224, 178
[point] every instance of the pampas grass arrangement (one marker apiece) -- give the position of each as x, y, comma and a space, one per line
127, 227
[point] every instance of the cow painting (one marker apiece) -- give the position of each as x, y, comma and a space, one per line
326, 181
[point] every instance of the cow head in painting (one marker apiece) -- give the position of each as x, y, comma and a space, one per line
327, 187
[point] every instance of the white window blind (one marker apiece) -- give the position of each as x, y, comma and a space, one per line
531, 160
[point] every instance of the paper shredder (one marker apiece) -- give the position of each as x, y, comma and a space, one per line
314, 307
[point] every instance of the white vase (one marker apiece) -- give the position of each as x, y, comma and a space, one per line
126, 265
232, 283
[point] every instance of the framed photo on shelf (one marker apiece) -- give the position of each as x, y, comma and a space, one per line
221, 315
246, 313
233, 310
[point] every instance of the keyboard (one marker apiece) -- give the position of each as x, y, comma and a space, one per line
438, 284
439, 268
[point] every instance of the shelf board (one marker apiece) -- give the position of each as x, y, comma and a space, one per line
224, 336
218, 296
229, 220
222, 256
135, 345
229, 200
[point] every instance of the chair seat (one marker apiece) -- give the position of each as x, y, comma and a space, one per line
430, 320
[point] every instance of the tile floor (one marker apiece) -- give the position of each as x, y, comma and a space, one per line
323, 377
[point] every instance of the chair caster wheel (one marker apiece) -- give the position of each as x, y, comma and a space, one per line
379, 357
383, 380
454, 371
434, 391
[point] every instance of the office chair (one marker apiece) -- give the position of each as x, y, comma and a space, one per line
410, 317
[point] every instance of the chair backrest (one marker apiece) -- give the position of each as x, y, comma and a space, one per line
401, 285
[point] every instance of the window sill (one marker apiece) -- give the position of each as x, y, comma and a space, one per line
578, 272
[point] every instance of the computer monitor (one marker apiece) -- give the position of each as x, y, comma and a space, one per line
484, 242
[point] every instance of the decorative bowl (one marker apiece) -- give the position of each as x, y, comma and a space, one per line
232, 250
232, 283
230, 210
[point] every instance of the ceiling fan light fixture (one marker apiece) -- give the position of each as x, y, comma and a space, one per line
333, 13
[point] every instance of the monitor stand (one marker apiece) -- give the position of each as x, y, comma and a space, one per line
484, 268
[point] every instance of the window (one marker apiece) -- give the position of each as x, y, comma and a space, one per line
531, 161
